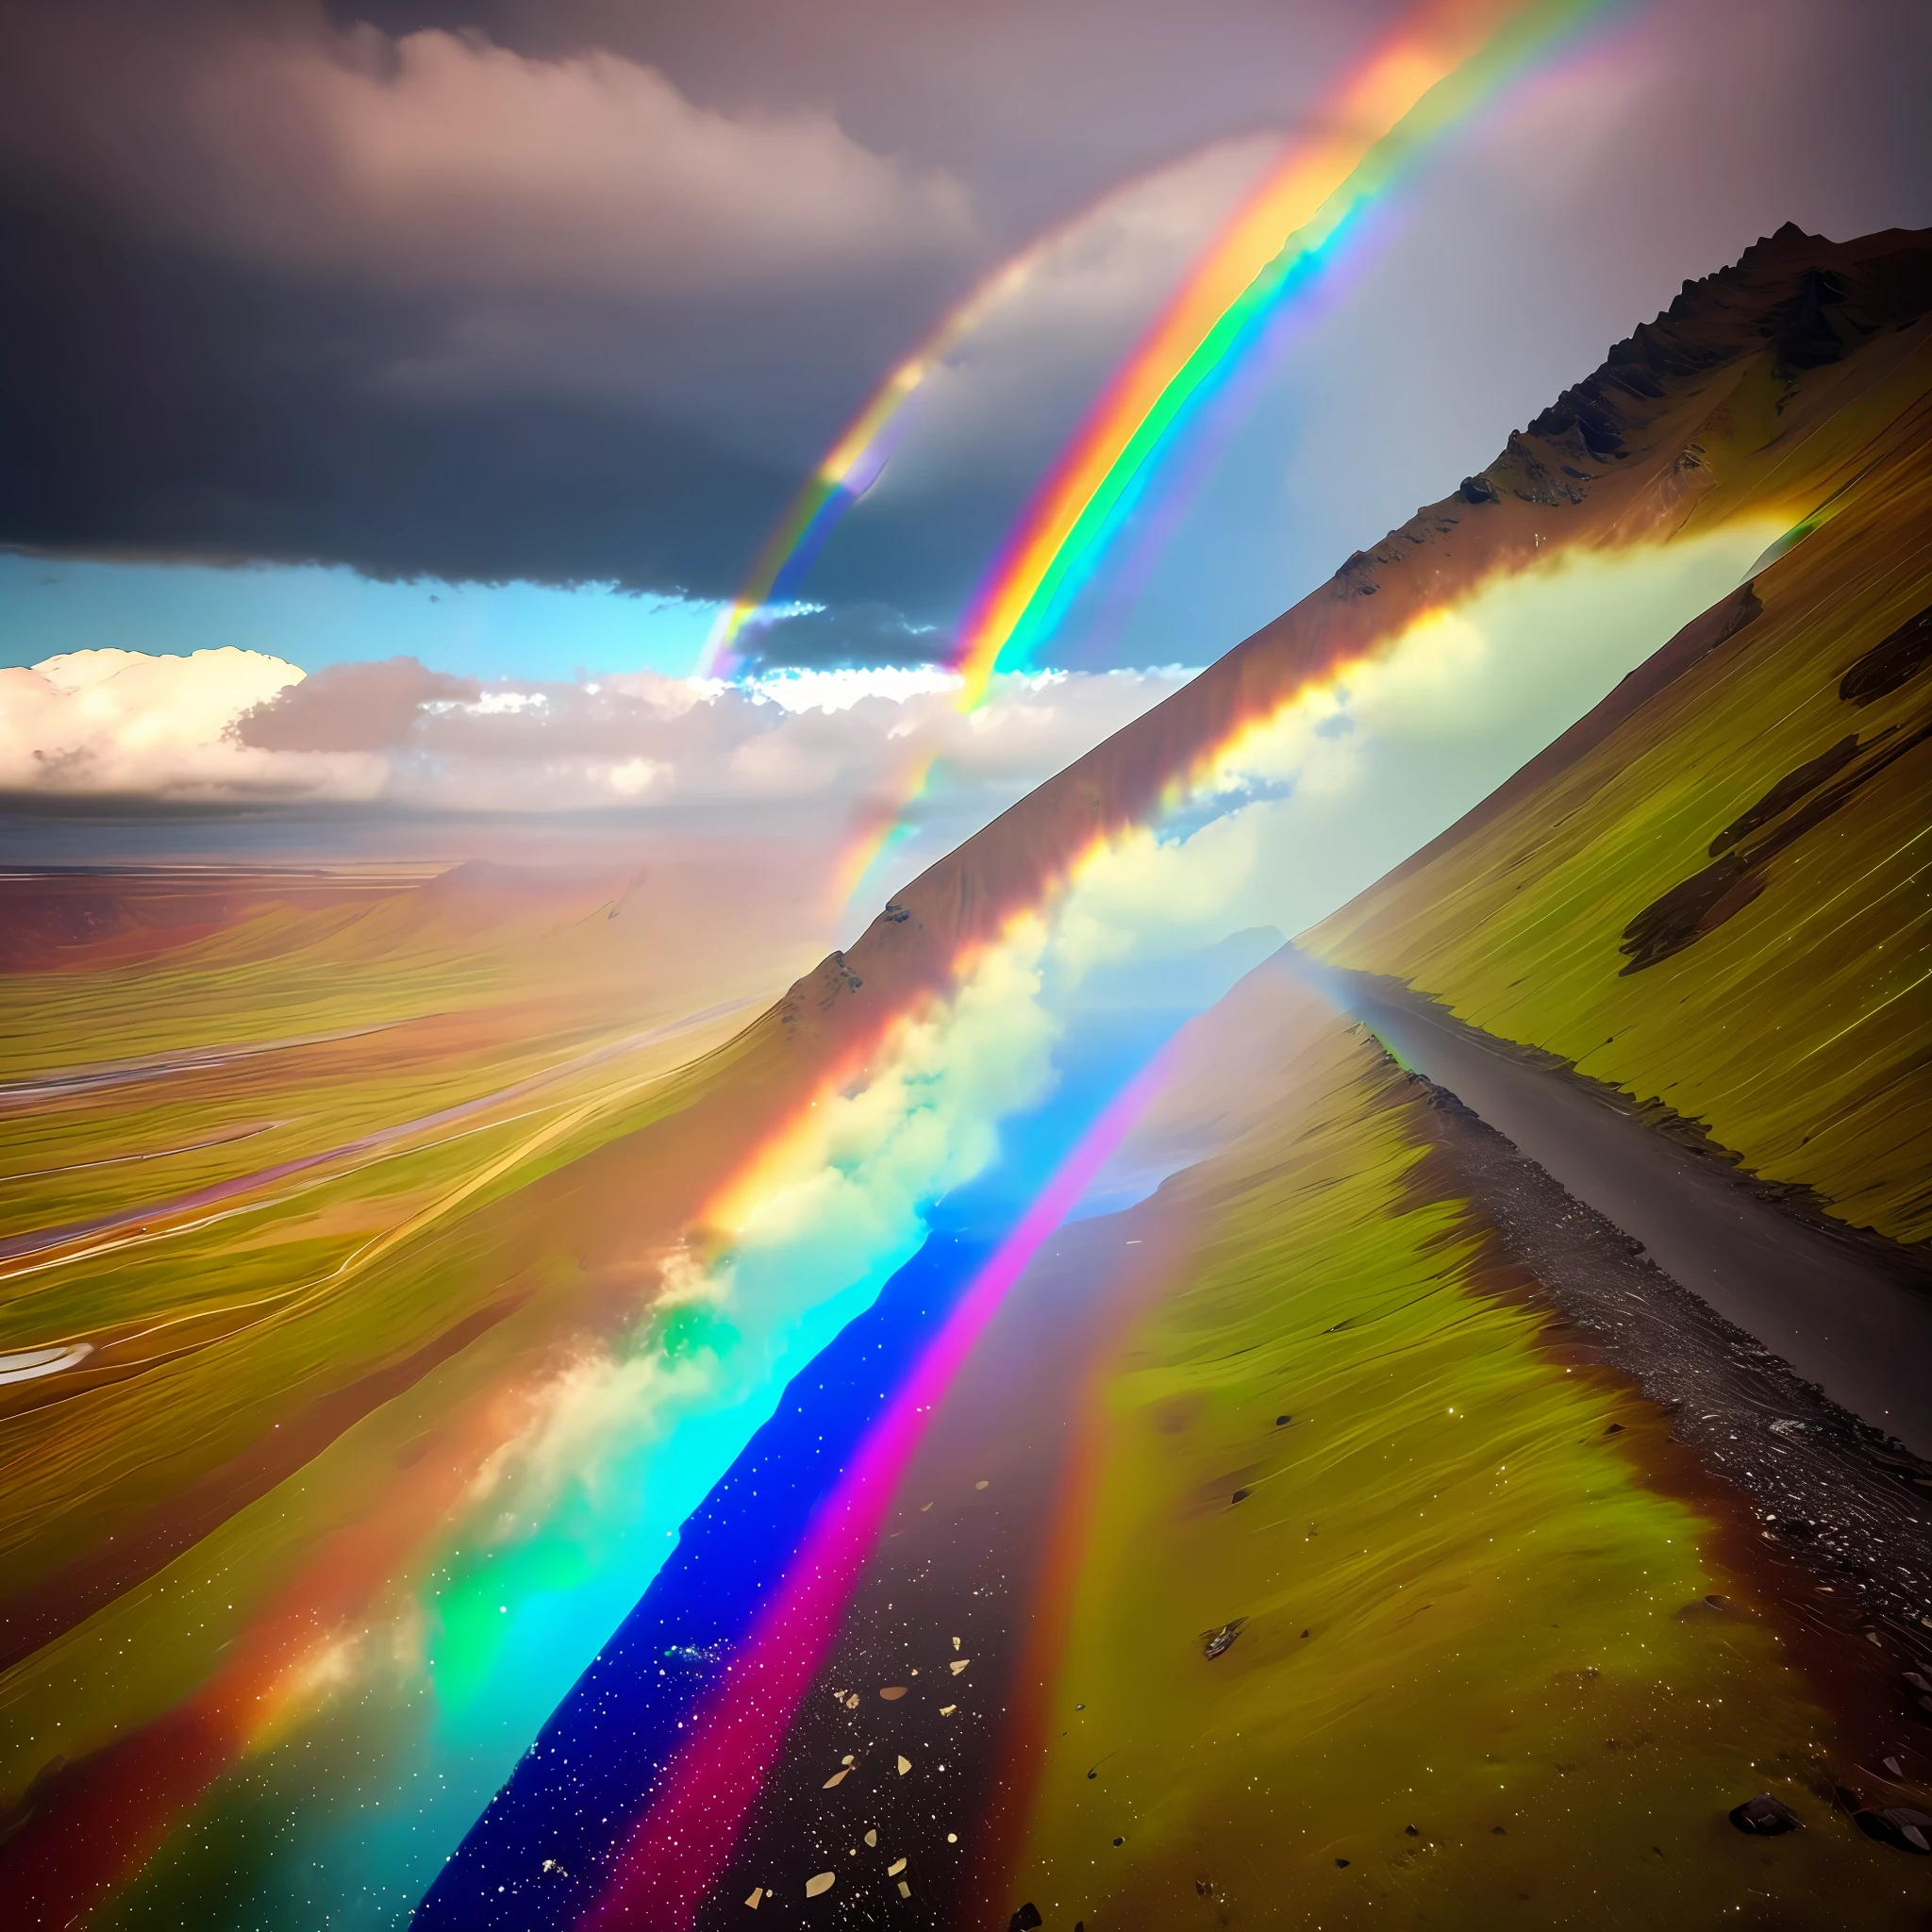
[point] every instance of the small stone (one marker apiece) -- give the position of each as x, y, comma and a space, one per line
837, 1778
1765, 1817
1409, 1831
1217, 1640
893, 1870
1025, 1919
1119, 1840
1899, 1827
817, 1888
871, 1837
893, 1691
905, 1765
757, 1891
1342, 1864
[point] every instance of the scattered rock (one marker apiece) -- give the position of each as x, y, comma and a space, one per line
1281, 1421
817, 1888
1765, 1817
1025, 1919
837, 1778
1477, 490
1217, 1640
893, 1870
1700, 1607
1891, 663
757, 1892
1240, 1495
1410, 1831
1899, 1827
1341, 1864
893, 1691
905, 1765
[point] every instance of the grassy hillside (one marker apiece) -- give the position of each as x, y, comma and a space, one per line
1464, 1687
1721, 898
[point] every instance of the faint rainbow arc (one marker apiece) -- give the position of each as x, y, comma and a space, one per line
853, 464
1442, 63
684, 1841
1435, 70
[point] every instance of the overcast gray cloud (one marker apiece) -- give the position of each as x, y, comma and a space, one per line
231, 732
575, 290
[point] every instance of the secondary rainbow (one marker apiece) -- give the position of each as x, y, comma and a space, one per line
853, 463
1439, 65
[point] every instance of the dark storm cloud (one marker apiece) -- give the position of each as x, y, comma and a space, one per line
577, 290
157, 406
841, 639
427, 307
566, 292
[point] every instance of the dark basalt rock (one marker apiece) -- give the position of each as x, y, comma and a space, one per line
1893, 661
1585, 411
1479, 490
1807, 339
1766, 1817
1898, 1826
1689, 910
1787, 793
1217, 1641
1025, 1919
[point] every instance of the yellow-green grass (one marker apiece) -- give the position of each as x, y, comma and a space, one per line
1799, 1031
1465, 1602
214, 1325
283, 1303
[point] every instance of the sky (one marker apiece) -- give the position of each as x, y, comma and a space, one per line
495, 336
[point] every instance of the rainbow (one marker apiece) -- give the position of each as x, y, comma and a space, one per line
1441, 63
856, 461
853, 464
682, 1845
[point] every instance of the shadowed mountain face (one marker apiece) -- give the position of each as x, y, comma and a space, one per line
1757, 386
1710, 891
713, 1442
